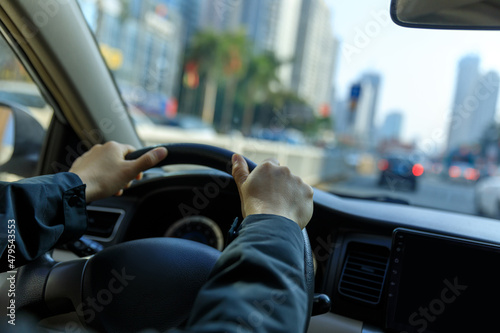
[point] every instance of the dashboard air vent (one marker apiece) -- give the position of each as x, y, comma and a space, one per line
103, 222
364, 272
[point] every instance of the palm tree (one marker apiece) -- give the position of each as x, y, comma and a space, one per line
206, 52
236, 49
261, 77
221, 58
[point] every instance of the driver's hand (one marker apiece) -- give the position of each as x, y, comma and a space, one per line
106, 172
272, 189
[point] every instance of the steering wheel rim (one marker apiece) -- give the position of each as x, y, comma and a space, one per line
193, 153
220, 159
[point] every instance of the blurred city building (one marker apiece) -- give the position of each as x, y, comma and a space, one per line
391, 128
474, 104
298, 32
316, 54
273, 25
190, 10
340, 113
363, 103
388, 136
221, 15
142, 42
354, 116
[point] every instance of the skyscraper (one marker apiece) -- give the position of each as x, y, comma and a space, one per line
391, 128
341, 115
145, 40
298, 32
315, 54
152, 43
474, 105
220, 15
364, 109
191, 15
272, 25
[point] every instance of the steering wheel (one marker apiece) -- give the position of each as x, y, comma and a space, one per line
220, 159
137, 279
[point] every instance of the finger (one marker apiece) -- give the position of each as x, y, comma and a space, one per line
240, 170
119, 193
127, 149
139, 176
272, 160
150, 159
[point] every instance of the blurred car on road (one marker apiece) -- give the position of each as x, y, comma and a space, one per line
399, 172
463, 172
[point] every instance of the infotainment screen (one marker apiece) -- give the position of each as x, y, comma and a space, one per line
441, 284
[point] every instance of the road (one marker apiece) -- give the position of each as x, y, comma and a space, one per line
431, 192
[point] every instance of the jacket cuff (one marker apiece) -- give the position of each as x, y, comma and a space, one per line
74, 208
269, 218
280, 226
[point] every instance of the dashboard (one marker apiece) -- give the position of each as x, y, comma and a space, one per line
386, 267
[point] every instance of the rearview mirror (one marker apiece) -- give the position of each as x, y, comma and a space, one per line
21, 139
447, 14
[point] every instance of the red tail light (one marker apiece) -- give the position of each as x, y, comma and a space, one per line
383, 165
471, 174
418, 170
454, 172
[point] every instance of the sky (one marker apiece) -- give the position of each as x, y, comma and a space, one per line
418, 66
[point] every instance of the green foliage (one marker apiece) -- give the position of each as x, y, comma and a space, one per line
214, 52
250, 80
317, 125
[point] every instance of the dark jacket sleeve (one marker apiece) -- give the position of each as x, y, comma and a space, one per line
38, 213
258, 284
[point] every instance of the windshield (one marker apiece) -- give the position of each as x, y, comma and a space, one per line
334, 89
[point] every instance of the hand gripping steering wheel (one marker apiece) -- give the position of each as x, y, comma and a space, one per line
147, 283
220, 159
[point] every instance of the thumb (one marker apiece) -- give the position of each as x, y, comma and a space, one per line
240, 170
150, 159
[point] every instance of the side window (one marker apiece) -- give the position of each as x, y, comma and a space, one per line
18, 151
